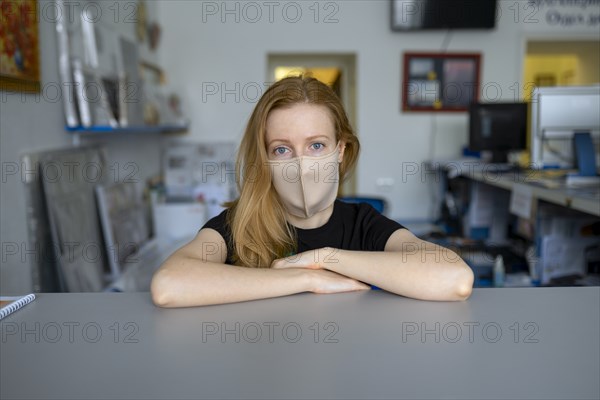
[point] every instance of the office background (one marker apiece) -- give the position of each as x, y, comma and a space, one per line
198, 49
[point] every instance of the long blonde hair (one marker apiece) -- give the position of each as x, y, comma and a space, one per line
259, 230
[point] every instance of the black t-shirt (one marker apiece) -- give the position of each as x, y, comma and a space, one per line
350, 227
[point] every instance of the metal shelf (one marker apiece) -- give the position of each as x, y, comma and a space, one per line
79, 131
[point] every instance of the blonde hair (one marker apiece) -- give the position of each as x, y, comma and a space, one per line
259, 230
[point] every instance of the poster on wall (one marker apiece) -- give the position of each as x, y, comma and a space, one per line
440, 81
19, 46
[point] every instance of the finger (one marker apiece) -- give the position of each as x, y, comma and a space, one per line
350, 285
361, 286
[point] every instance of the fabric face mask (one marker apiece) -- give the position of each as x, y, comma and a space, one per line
307, 185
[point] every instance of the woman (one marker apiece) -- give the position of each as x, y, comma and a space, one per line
286, 233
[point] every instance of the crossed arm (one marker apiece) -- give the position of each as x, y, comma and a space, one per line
196, 274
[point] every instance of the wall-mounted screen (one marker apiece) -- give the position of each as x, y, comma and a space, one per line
414, 15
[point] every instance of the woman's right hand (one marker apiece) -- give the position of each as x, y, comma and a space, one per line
324, 281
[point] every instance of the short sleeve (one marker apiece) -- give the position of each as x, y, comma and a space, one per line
376, 228
219, 224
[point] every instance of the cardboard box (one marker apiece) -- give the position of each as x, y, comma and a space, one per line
173, 221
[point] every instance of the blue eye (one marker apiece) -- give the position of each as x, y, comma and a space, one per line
279, 151
317, 146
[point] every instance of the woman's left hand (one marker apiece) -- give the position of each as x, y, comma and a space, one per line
311, 259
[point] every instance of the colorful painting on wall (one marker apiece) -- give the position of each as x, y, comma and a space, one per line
19, 46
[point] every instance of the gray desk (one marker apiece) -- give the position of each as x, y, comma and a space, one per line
581, 199
585, 199
525, 343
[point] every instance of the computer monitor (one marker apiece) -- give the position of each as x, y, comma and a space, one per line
556, 114
498, 128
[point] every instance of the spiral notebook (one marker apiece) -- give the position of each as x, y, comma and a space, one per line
9, 305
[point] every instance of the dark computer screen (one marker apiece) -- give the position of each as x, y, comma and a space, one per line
498, 128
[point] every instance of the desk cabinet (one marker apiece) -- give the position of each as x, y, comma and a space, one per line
478, 203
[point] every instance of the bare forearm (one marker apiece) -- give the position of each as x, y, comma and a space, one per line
420, 275
186, 282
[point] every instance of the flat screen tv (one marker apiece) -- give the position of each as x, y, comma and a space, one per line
415, 15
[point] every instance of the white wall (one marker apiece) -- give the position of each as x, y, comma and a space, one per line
201, 48
25, 124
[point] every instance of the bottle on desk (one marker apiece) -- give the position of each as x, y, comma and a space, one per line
499, 271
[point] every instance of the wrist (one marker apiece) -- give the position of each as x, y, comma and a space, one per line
299, 279
329, 258
306, 277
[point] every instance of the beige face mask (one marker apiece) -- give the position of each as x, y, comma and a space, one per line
307, 185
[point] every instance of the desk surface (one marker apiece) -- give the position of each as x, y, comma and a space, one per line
581, 199
504, 343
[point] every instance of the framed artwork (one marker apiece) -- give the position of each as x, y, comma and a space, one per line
19, 46
440, 81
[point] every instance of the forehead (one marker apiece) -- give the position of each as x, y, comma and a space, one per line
298, 121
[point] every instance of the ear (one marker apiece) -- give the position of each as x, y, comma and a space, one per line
342, 148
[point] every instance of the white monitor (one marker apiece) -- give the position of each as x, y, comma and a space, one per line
556, 114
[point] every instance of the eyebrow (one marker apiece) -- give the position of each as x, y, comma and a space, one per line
308, 139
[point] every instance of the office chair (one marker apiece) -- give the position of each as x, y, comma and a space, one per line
377, 203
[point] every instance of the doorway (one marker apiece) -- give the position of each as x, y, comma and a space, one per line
336, 70
560, 63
